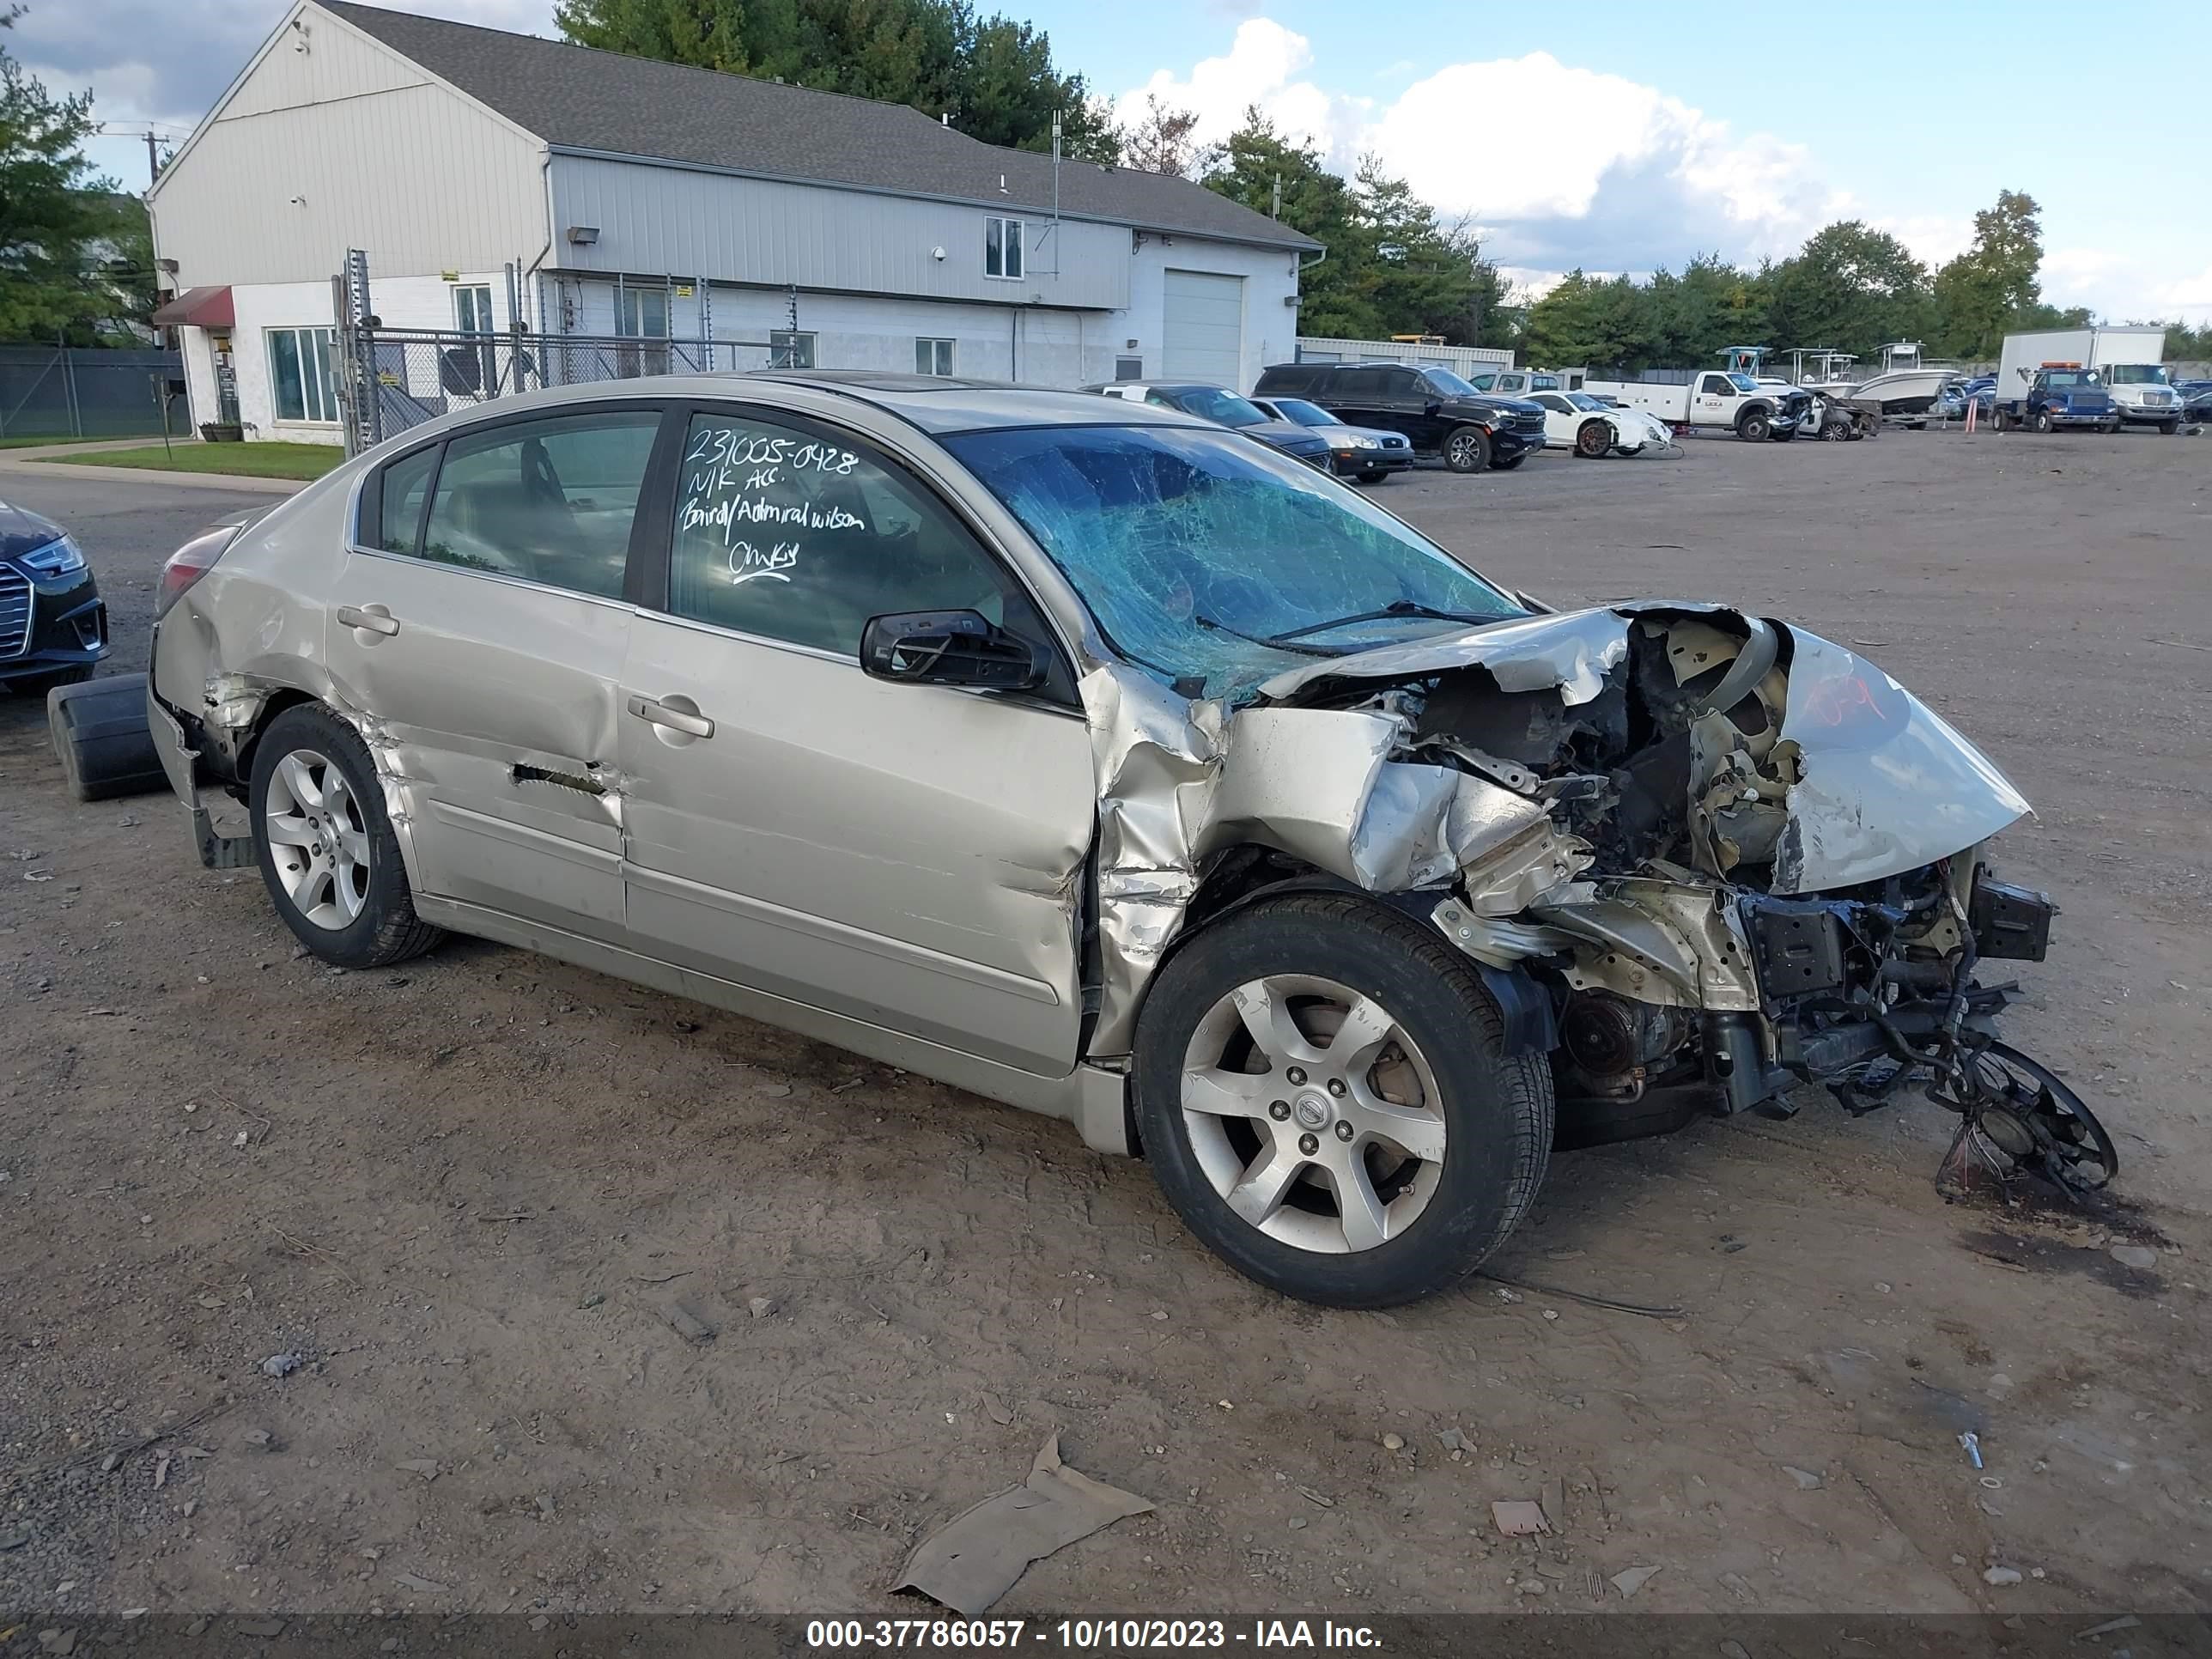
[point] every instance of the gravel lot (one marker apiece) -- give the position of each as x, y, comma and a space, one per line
469, 1193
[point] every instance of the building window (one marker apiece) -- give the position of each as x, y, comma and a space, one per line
932, 357
472, 309
643, 313
1128, 368
299, 374
1002, 248
790, 348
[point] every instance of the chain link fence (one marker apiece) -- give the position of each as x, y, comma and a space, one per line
71, 392
392, 380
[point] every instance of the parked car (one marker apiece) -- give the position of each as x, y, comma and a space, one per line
1435, 410
53, 625
2196, 399
1224, 407
1580, 423
1359, 452
1093, 757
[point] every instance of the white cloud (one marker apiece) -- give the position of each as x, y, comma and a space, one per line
1265, 66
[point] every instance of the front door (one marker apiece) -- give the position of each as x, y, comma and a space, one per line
483, 636
907, 856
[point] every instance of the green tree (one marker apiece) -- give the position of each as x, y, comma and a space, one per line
995, 76
1587, 321
52, 209
1995, 286
1850, 287
1161, 142
1419, 275
1249, 167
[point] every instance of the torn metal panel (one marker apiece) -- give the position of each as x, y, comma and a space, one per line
1651, 940
1886, 785
1158, 758
1571, 650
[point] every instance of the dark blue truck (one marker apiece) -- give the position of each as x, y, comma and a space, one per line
2057, 395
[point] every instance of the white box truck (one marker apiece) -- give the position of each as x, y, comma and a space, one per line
2129, 360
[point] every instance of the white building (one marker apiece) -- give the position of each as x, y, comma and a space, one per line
642, 198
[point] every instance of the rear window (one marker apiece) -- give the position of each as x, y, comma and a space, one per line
1286, 378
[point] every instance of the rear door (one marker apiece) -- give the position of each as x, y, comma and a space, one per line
481, 621
907, 856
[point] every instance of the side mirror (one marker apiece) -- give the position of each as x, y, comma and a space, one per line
947, 647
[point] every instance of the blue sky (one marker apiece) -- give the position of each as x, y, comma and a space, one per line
1610, 136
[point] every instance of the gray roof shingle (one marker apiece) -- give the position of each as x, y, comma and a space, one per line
576, 98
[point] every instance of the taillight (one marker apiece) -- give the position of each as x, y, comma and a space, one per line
190, 562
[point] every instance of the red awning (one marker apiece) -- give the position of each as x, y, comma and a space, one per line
198, 307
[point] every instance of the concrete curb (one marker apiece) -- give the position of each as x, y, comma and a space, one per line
13, 461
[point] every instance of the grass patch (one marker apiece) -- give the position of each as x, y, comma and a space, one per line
301, 461
33, 443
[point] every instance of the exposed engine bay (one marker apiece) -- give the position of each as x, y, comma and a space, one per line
1700, 858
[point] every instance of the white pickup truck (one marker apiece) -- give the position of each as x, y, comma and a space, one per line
1715, 399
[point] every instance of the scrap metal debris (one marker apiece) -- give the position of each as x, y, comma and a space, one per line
970, 1563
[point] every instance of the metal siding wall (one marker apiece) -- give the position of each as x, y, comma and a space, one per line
653, 220
414, 174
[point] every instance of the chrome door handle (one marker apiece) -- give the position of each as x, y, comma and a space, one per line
676, 720
375, 620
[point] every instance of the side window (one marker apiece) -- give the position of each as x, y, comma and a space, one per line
1716, 386
1360, 385
399, 500
796, 538
549, 502
1405, 384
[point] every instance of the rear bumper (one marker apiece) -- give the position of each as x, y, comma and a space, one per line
218, 850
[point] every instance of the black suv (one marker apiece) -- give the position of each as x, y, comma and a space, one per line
1439, 413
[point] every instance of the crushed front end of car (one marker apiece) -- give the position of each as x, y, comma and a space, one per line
1700, 858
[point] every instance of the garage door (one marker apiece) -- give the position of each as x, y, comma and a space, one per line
1202, 336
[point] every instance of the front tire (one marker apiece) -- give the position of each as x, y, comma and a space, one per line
1373, 478
2040, 421
1753, 426
1467, 449
327, 853
1323, 1094
1592, 440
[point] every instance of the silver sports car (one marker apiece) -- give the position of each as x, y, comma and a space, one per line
1098, 760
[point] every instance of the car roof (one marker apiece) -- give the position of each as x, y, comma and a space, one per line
933, 404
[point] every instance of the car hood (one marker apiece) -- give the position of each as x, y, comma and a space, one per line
1858, 779
1492, 408
1285, 434
22, 530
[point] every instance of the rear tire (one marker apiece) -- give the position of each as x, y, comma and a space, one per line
1467, 449
1405, 1099
325, 847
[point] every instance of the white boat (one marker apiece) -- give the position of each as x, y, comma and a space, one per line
1901, 386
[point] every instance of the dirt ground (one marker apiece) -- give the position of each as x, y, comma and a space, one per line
469, 1193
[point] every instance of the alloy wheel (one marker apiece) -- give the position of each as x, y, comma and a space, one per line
318, 840
1312, 1113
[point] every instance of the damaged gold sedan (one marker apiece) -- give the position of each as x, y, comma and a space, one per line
1102, 761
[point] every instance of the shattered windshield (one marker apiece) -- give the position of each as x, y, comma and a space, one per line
1191, 548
